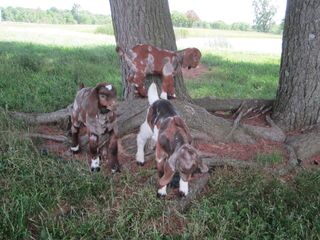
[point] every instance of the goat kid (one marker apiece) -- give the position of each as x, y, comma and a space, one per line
174, 152
144, 59
95, 108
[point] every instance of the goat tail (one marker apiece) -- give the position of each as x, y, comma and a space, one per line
153, 93
81, 85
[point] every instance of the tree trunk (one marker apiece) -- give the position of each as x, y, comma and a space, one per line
144, 21
298, 98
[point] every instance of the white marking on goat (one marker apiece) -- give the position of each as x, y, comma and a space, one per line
74, 149
163, 191
183, 186
155, 133
167, 69
150, 64
75, 106
144, 134
149, 48
164, 95
93, 137
95, 162
109, 87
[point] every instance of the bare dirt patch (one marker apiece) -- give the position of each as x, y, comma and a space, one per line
194, 72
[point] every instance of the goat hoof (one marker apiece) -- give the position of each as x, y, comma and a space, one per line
182, 194
115, 170
141, 164
161, 196
97, 169
75, 152
172, 96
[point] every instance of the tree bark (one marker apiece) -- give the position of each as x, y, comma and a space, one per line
298, 98
144, 21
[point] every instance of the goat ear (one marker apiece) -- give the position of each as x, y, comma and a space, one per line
167, 176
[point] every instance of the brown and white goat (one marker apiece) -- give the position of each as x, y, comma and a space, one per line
144, 59
174, 152
95, 108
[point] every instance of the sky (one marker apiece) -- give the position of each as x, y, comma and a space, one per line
228, 11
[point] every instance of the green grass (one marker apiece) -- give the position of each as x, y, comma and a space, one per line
246, 205
38, 78
41, 78
34, 187
237, 75
237, 204
269, 159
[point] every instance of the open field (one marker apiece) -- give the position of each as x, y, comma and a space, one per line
43, 196
80, 35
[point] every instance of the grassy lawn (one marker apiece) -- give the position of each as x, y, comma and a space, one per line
45, 197
49, 198
42, 78
237, 75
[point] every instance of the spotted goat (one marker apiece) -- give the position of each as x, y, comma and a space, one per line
145, 59
95, 109
174, 150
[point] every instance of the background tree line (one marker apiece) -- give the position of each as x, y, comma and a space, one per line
77, 16
53, 16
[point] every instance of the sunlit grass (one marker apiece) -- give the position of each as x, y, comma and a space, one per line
202, 32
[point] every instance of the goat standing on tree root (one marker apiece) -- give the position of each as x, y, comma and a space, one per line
174, 151
144, 59
95, 109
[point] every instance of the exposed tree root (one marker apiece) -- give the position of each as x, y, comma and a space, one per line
213, 104
43, 118
56, 138
307, 144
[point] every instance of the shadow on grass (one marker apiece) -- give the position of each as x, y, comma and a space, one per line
39, 78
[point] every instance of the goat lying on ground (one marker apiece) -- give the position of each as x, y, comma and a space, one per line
95, 109
146, 59
174, 151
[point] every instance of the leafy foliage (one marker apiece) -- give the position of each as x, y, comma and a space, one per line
264, 13
53, 15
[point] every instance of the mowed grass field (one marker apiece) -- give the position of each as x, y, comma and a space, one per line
45, 197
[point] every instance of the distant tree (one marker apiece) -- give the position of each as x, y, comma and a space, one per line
179, 19
219, 25
76, 12
264, 13
192, 17
240, 26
